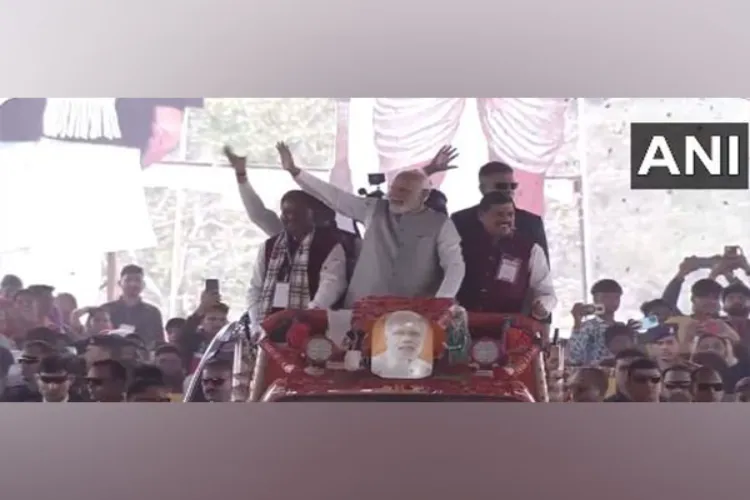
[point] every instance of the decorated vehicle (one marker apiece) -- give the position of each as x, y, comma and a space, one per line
387, 349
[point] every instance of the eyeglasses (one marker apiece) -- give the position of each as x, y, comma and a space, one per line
53, 379
716, 386
506, 186
213, 381
645, 380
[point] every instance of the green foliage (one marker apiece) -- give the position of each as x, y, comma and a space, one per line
254, 126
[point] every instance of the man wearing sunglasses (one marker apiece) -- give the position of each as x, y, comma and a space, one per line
708, 387
644, 381
216, 381
54, 380
29, 361
107, 380
497, 176
677, 384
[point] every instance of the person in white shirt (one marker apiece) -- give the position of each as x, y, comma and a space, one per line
303, 267
405, 334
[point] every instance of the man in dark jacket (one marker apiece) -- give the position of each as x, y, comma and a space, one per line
497, 176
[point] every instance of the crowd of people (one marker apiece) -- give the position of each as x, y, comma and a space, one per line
490, 258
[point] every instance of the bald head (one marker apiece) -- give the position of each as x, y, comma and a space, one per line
408, 191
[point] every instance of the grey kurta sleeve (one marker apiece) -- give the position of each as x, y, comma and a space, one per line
347, 204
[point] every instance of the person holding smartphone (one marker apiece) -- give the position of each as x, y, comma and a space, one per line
588, 343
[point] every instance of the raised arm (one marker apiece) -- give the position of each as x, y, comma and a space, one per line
267, 220
347, 204
451, 260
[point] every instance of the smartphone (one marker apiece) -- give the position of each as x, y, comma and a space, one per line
212, 285
648, 323
596, 309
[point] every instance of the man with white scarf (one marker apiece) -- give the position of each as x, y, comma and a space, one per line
302, 267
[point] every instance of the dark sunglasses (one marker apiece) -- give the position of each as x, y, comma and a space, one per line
710, 387
213, 381
506, 186
53, 379
677, 385
27, 360
94, 381
644, 380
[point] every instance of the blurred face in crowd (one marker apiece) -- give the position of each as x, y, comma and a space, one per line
296, 216
499, 220
621, 373
54, 387
26, 306
170, 363
98, 322
742, 391
103, 386
29, 361
610, 301
714, 344
644, 385
708, 305
129, 353
174, 334
707, 386
667, 349
408, 192
504, 182
620, 343
96, 353
213, 321
737, 305
66, 304
586, 386
151, 394
216, 384
132, 285
677, 385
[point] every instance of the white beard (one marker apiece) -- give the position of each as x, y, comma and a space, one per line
82, 118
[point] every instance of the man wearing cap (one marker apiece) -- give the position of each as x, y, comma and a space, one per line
663, 345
